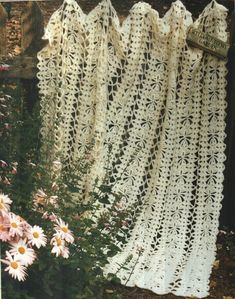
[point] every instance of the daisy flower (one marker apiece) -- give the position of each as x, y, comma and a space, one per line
53, 200
3, 163
14, 170
4, 229
54, 186
16, 225
59, 248
62, 229
45, 215
15, 267
23, 253
36, 236
4, 203
40, 198
53, 217
25, 225
65, 252
6, 181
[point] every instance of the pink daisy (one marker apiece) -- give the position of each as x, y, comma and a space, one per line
25, 225
4, 203
23, 253
36, 236
15, 267
3, 163
4, 228
53, 217
65, 252
16, 225
53, 200
40, 198
62, 229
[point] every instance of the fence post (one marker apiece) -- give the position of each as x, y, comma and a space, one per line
32, 26
3, 40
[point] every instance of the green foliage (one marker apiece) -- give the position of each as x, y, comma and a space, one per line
96, 223
95, 231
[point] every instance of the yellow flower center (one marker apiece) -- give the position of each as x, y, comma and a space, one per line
14, 225
14, 265
2, 206
2, 228
58, 241
21, 250
35, 235
64, 229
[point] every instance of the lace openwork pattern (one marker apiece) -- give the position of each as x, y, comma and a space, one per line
154, 110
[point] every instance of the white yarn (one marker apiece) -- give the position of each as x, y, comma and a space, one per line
160, 106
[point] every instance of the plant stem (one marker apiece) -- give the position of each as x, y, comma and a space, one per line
133, 268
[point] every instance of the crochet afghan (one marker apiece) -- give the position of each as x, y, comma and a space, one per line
154, 110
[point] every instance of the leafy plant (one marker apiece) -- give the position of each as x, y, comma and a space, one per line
42, 193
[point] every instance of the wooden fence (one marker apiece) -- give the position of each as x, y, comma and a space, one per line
23, 66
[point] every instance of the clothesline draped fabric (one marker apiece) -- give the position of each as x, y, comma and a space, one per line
154, 110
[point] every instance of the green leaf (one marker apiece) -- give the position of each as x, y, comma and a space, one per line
104, 199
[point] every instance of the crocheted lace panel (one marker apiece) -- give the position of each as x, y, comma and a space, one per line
159, 105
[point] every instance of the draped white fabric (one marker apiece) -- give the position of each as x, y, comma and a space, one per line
154, 109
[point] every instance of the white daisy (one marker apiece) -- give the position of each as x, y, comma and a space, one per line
23, 253
62, 229
15, 267
59, 248
36, 236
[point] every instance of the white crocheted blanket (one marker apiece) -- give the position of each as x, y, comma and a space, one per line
159, 105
